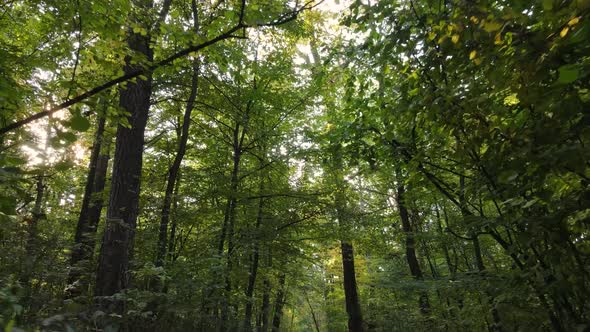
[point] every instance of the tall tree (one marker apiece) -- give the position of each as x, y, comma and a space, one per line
174, 170
117, 244
410, 244
90, 211
279, 302
353, 308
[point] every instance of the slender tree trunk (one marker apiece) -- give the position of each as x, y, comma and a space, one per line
113, 264
411, 258
497, 323
172, 240
231, 199
229, 222
239, 134
32, 241
313, 316
431, 264
474, 238
32, 244
254, 264
445, 248
92, 202
174, 170
181, 150
279, 301
353, 308
265, 306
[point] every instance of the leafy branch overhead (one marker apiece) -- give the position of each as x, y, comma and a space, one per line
241, 25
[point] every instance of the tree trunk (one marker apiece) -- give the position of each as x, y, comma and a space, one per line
353, 308
265, 307
238, 136
174, 169
279, 301
172, 255
228, 231
450, 267
474, 239
313, 316
32, 245
411, 246
254, 264
92, 202
113, 264
32, 242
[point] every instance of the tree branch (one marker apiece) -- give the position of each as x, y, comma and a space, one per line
228, 34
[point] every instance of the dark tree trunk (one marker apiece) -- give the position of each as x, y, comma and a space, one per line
238, 136
113, 264
477, 253
474, 239
92, 202
450, 267
497, 323
265, 307
174, 169
411, 245
353, 308
172, 255
228, 231
279, 301
254, 264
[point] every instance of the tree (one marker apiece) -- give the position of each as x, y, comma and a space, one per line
91, 209
394, 166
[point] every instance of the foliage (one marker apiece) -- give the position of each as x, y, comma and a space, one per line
311, 129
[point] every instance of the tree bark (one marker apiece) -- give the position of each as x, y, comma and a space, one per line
238, 136
452, 269
474, 239
279, 302
353, 308
254, 264
113, 265
228, 229
265, 307
172, 255
411, 258
92, 202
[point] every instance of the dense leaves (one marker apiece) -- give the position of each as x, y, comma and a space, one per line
358, 166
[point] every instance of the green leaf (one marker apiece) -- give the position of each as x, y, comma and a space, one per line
568, 74
414, 92
507, 176
69, 137
8, 205
64, 165
79, 123
547, 4
492, 26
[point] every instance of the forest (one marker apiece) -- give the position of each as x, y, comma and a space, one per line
315, 165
